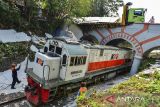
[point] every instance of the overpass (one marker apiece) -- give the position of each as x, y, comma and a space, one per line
142, 36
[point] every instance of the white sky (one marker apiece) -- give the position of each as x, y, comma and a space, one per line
152, 6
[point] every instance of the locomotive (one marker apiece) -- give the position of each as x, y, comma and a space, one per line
65, 63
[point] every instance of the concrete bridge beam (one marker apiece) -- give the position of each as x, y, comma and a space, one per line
135, 65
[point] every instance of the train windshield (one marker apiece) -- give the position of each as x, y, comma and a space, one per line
51, 48
58, 50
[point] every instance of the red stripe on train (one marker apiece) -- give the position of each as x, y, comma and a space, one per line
104, 64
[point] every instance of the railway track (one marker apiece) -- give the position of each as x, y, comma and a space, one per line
20, 101
14, 100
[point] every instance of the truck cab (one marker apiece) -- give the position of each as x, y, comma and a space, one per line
132, 15
136, 15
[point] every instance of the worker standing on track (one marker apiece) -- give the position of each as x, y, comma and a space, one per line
82, 90
14, 75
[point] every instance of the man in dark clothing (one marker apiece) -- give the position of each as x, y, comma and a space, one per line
14, 75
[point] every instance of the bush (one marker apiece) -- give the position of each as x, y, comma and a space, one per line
10, 14
12, 52
146, 64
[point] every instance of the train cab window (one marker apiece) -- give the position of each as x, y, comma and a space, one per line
45, 49
58, 50
72, 61
114, 56
79, 61
51, 48
64, 60
101, 52
76, 61
84, 59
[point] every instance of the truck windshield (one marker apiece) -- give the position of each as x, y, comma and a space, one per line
138, 12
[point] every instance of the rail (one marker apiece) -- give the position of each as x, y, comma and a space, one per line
2, 104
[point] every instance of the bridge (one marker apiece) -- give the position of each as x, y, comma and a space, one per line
142, 36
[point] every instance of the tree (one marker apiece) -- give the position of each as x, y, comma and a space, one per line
59, 11
30, 9
9, 13
54, 12
105, 7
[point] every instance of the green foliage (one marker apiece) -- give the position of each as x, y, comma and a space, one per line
54, 13
12, 50
146, 63
59, 8
62, 11
105, 7
9, 13
145, 87
83, 101
81, 97
81, 8
31, 56
143, 83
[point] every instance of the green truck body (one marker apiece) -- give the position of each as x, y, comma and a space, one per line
136, 15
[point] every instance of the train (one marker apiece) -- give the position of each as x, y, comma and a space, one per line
64, 63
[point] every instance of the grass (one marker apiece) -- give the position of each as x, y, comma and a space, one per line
141, 90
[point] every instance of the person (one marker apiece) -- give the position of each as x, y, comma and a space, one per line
14, 75
152, 20
82, 89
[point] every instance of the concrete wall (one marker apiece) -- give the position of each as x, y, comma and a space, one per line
76, 30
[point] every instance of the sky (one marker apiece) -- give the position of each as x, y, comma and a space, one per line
152, 6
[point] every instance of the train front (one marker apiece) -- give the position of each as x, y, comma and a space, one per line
37, 91
45, 68
63, 61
